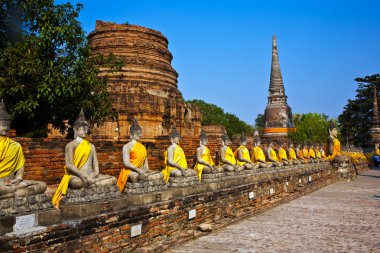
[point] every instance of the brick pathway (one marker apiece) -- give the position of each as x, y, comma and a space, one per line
343, 217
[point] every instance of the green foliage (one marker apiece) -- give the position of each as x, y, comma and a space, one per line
311, 127
46, 73
214, 115
260, 123
356, 117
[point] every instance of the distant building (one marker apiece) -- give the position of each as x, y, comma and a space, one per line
278, 114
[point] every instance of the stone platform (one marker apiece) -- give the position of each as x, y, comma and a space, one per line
162, 218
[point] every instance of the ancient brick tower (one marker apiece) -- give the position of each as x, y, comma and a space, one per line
146, 87
375, 128
278, 115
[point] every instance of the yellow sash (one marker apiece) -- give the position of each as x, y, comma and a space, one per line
11, 157
179, 157
273, 155
282, 154
245, 154
229, 156
292, 154
311, 153
317, 154
137, 157
206, 156
305, 152
258, 154
81, 154
377, 152
336, 150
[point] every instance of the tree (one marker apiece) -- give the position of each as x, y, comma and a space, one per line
260, 123
311, 127
355, 120
214, 115
46, 72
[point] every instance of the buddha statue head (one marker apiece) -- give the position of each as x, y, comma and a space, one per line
270, 143
257, 141
333, 131
5, 120
203, 138
243, 139
226, 139
81, 126
175, 136
135, 130
291, 145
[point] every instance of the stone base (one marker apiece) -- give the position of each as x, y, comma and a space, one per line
145, 187
21, 205
211, 178
90, 194
183, 181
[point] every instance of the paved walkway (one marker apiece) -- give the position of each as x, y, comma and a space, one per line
343, 217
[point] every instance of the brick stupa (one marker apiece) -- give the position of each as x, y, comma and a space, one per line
375, 126
278, 114
145, 87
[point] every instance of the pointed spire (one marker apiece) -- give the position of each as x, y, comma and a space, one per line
375, 112
276, 84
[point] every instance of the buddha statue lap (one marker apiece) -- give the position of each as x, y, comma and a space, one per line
82, 168
12, 164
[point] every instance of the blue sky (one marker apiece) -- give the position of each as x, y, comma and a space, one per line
222, 49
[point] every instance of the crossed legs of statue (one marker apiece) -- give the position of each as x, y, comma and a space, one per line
100, 180
134, 177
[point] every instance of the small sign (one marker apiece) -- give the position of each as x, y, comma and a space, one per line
299, 181
271, 191
251, 195
309, 178
24, 222
136, 230
192, 214
287, 183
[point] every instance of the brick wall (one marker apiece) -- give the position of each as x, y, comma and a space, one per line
166, 223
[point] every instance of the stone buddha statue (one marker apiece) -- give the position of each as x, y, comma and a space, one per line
333, 151
227, 158
175, 160
135, 161
204, 163
272, 155
312, 153
283, 157
258, 155
292, 154
299, 153
242, 155
12, 164
82, 168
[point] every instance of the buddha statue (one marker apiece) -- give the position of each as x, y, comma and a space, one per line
376, 155
282, 154
272, 155
82, 168
313, 153
242, 155
322, 151
333, 151
135, 161
12, 164
175, 160
204, 163
258, 155
299, 153
292, 154
227, 157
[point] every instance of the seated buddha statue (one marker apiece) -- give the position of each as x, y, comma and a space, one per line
299, 153
82, 168
322, 151
282, 154
242, 155
135, 161
292, 154
258, 155
313, 153
12, 164
227, 157
175, 159
204, 163
333, 151
272, 154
